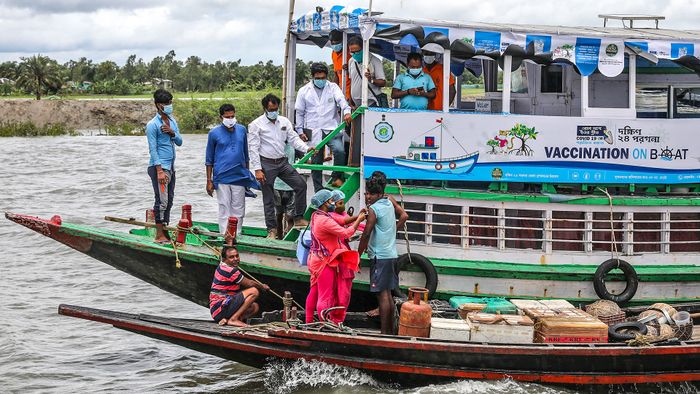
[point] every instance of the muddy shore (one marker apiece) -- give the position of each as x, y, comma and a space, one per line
77, 114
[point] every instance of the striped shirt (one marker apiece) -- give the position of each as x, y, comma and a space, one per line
227, 282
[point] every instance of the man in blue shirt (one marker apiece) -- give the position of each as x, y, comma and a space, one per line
162, 134
227, 167
414, 88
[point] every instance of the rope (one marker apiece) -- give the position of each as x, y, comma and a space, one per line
177, 257
613, 252
254, 279
405, 224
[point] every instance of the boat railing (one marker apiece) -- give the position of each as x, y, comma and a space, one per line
552, 227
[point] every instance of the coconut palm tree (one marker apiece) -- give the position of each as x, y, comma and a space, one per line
37, 73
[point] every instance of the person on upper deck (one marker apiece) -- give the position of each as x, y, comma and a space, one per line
226, 163
336, 41
414, 87
162, 134
232, 296
267, 136
435, 71
374, 71
317, 109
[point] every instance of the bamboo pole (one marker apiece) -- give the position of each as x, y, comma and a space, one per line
286, 58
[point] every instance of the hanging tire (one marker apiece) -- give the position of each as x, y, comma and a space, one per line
452, 165
431, 276
438, 166
631, 279
631, 330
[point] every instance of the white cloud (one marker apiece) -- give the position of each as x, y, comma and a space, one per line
254, 30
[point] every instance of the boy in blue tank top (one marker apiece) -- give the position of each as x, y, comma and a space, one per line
379, 240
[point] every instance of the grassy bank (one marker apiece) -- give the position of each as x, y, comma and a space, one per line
29, 129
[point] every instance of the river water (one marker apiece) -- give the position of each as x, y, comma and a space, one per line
83, 179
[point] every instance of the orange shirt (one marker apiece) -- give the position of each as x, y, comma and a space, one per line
338, 70
435, 72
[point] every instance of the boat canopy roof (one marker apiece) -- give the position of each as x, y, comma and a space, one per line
587, 48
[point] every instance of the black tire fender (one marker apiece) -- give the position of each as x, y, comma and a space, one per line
630, 277
633, 328
422, 262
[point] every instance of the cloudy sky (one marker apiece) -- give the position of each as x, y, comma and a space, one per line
254, 30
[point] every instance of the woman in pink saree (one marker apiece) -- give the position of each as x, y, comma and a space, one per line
330, 260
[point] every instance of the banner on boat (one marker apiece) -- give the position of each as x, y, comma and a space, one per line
517, 148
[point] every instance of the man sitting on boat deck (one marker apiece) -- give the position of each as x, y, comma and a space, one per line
162, 134
232, 297
379, 240
331, 262
414, 87
226, 162
316, 108
267, 136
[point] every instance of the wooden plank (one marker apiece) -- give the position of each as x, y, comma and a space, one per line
135, 222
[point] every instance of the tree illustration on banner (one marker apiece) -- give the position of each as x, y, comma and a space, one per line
493, 144
523, 133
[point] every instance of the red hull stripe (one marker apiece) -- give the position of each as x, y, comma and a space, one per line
385, 366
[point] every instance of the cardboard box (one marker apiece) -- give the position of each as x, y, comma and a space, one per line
571, 330
501, 328
450, 329
536, 314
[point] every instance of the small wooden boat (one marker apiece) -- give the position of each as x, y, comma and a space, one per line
410, 360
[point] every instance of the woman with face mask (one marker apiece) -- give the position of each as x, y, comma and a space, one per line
329, 257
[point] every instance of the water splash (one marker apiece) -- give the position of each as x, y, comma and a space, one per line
487, 387
284, 376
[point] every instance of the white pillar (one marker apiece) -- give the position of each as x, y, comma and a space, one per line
365, 67
584, 95
291, 70
343, 73
632, 73
446, 81
507, 65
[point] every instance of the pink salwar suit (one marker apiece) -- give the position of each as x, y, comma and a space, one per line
332, 266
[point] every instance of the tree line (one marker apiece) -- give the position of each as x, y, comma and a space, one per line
40, 75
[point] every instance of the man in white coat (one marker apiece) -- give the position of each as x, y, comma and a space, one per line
318, 107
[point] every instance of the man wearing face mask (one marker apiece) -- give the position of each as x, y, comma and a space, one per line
317, 106
435, 71
374, 71
336, 39
162, 134
227, 167
267, 136
414, 88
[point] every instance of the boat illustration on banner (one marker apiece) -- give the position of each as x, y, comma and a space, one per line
427, 155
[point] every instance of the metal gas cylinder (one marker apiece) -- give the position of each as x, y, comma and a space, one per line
414, 320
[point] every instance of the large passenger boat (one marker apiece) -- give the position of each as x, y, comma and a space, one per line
582, 161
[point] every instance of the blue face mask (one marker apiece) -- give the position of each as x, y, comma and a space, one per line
320, 83
331, 207
357, 56
337, 47
415, 71
168, 109
272, 115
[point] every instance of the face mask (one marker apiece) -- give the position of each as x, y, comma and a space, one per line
272, 115
357, 56
331, 207
320, 83
229, 122
337, 47
168, 109
429, 59
415, 71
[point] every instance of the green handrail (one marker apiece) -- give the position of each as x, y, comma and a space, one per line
341, 127
322, 167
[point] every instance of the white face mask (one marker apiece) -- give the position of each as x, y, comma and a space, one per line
429, 59
229, 122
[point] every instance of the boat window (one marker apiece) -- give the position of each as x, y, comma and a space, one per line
568, 229
687, 103
647, 232
483, 226
552, 78
652, 102
415, 223
518, 83
447, 224
524, 229
602, 239
685, 232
